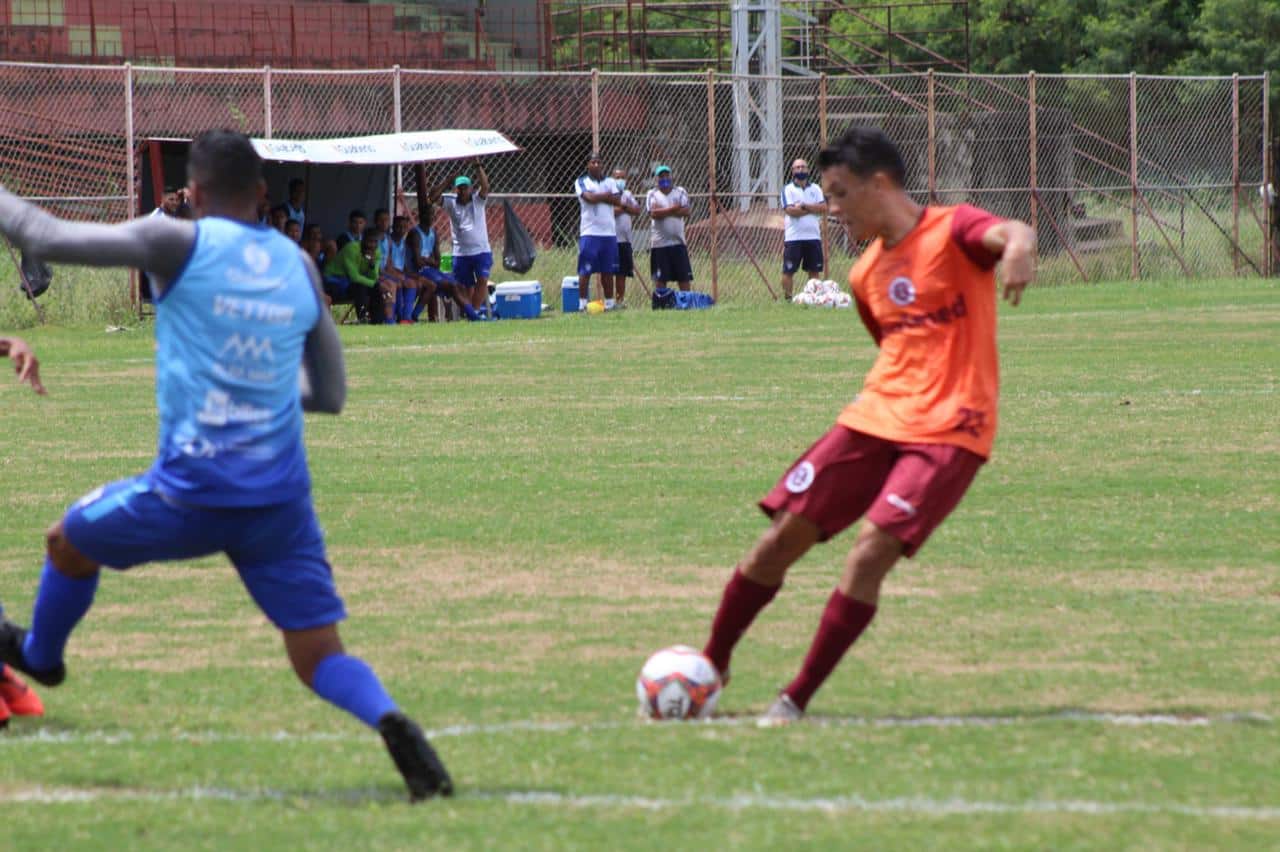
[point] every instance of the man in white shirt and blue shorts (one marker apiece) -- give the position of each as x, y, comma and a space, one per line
597, 230
804, 206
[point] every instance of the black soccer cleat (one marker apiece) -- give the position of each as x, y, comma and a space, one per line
11, 638
417, 761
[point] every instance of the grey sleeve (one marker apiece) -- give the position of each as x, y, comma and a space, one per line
324, 375
159, 245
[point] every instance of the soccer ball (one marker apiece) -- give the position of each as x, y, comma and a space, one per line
678, 683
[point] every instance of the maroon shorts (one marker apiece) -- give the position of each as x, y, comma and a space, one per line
904, 489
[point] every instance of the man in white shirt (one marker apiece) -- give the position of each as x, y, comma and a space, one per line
668, 208
804, 206
597, 230
623, 209
472, 256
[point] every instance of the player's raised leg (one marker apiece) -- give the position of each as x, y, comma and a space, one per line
280, 555
348, 682
68, 584
755, 582
848, 612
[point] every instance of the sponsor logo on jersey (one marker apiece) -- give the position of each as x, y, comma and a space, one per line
942, 316
248, 347
221, 410
256, 258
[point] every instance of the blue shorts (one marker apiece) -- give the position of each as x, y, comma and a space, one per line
470, 268
278, 550
597, 254
802, 254
670, 264
435, 276
337, 287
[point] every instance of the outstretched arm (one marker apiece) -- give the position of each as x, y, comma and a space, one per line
1014, 243
323, 378
24, 361
157, 244
484, 180
437, 191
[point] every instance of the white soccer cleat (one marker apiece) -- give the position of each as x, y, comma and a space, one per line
782, 712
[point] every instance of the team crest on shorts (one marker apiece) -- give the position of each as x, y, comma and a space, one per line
800, 477
902, 291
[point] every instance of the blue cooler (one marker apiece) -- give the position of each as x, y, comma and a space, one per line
569, 298
518, 300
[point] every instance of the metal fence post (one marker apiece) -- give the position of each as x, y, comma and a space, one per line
1033, 149
823, 131
822, 110
1235, 173
1134, 268
396, 123
595, 109
1268, 244
711, 181
266, 101
135, 293
932, 122
396, 120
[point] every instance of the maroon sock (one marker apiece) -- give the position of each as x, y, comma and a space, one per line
742, 601
842, 623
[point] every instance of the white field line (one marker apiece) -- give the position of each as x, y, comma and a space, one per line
17, 738
920, 805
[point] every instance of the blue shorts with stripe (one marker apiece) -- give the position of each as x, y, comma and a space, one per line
278, 550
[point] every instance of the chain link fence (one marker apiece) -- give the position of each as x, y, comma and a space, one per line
1122, 176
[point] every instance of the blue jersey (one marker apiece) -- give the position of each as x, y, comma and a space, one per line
396, 254
230, 331
384, 246
426, 241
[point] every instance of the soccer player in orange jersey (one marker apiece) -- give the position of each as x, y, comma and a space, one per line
16, 698
905, 450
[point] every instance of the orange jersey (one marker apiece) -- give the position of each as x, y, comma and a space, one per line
930, 302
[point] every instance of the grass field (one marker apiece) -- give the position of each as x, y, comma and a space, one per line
1085, 656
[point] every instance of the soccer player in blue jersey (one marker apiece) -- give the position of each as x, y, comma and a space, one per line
244, 346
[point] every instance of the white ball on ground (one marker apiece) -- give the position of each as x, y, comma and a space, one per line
678, 683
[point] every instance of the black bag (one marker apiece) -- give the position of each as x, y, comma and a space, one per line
518, 253
664, 299
38, 274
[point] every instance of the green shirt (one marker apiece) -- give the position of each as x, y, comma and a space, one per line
350, 263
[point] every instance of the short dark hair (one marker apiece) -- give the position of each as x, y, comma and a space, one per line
296, 182
400, 218
356, 214
380, 211
370, 236
225, 163
313, 228
865, 151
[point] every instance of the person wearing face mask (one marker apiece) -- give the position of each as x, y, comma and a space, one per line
804, 206
623, 209
668, 208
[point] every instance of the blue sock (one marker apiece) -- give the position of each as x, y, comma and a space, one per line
400, 294
416, 310
349, 683
60, 604
470, 312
